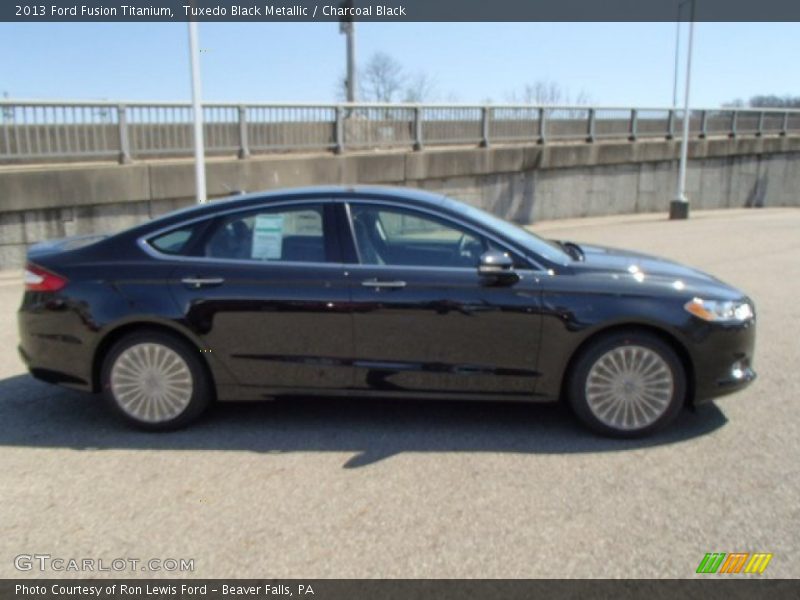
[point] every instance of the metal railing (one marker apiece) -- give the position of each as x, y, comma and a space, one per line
42, 131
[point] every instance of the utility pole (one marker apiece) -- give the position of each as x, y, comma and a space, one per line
679, 207
677, 58
197, 109
348, 27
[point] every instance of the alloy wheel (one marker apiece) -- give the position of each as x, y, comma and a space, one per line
151, 382
629, 387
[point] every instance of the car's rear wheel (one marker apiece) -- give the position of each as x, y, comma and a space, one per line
627, 384
156, 381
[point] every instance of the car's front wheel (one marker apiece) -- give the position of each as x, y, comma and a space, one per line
627, 384
155, 380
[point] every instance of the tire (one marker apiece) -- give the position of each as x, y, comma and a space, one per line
627, 384
156, 381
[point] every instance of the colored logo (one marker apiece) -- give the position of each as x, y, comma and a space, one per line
735, 562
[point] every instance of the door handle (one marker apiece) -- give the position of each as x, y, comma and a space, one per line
377, 284
198, 282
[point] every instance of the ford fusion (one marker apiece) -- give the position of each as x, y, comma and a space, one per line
380, 293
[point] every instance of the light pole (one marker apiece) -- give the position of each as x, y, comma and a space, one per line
677, 58
197, 109
679, 207
347, 26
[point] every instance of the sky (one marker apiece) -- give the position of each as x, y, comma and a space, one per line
627, 64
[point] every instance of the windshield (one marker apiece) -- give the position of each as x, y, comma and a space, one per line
547, 250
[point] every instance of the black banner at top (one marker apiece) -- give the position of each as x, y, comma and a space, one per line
399, 10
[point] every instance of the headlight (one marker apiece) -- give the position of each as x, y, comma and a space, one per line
720, 310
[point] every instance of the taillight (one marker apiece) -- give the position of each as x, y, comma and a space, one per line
38, 279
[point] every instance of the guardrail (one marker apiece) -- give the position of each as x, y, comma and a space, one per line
37, 131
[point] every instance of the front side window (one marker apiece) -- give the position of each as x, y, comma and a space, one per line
550, 251
400, 237
270, 234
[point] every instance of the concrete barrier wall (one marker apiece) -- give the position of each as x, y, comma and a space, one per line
521, 183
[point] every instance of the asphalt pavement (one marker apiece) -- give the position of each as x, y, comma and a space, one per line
359, 488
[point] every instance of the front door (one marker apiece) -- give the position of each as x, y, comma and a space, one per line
425, 320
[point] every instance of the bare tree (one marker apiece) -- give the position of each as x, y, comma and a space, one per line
773, 101
383, 78
542, 92
420, 88
546, 92
765, 101
582, 98
738, 103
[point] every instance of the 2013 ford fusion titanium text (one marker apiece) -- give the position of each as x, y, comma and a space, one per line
378, 292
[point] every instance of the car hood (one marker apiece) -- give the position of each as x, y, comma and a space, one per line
613, 260
624, 265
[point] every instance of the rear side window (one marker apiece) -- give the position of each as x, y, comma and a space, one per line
277, 234
175, 241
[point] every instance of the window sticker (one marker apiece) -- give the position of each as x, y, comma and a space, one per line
267, 237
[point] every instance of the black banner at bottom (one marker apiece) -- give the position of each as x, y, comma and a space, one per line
396, 589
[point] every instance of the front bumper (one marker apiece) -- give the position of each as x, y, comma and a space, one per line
723, 359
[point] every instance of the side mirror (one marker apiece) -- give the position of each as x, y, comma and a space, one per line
497, 268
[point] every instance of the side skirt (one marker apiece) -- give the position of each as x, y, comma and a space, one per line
248, 393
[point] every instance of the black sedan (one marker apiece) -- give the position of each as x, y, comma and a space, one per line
376, 292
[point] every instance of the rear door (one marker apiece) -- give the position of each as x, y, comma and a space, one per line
424, 320
265, 290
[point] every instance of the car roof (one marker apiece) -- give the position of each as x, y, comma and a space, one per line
415, 196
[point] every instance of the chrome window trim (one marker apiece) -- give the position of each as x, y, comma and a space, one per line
470, 227
151, 251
